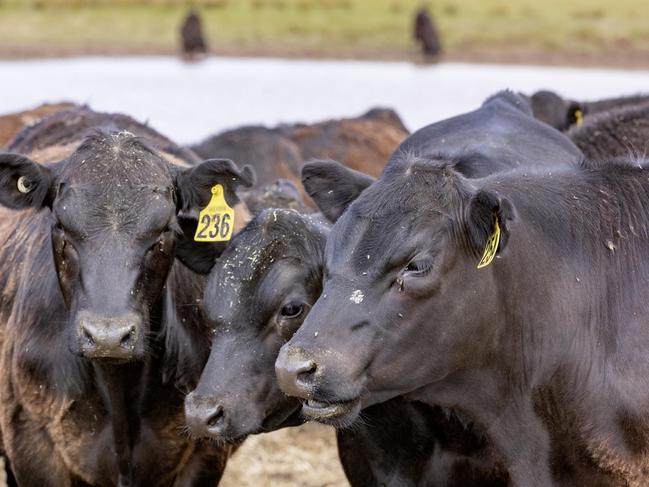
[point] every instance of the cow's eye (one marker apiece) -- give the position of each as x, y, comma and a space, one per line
419, 267
292, 310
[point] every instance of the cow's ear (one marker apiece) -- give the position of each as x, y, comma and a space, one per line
194, 185
194, 191
24, 183
575, 114
488, 221
333, 186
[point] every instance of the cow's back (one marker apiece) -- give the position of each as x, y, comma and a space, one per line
620, 132
497, 137
58, 135
12, 123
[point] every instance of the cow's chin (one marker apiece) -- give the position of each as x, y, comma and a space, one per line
337, 414
282, 418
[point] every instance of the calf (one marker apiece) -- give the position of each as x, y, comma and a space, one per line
257, 295
518, 299
101, 321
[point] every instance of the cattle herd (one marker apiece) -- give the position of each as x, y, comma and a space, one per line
467, 305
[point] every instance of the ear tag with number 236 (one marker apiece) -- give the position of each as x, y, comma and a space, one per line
216, 220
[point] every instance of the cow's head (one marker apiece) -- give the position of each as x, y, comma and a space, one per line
403, 302
120, 213
556, 111
258, 293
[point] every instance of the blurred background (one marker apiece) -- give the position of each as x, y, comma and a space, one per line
196, 68
529, 31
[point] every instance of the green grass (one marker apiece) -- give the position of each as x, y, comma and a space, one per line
327, 26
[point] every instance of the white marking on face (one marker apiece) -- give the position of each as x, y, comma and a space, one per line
357, 297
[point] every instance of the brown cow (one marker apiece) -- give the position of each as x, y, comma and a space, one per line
12, 123
362, 143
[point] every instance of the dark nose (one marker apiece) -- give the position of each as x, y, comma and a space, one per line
205, 418
295, 374
103, 337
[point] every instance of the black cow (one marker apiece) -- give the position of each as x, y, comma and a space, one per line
562, 113
426, 33
191, 35
101, 326
544, 347
258, 294
620, 132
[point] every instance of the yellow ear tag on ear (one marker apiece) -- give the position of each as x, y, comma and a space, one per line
579, 117
216, 220
491, 248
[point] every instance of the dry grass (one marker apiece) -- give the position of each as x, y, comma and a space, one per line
295, 457
352, 26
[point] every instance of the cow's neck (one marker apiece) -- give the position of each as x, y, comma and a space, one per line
119, 383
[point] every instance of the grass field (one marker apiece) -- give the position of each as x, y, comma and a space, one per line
338, 28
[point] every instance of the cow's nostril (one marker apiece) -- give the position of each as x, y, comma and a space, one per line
88, 336
306, 372
128, 337
297, 375
215, 418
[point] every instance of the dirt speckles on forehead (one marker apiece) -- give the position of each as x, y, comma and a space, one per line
115, 181
272, 236
114, 155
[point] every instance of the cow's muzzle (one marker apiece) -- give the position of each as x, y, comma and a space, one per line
113, 338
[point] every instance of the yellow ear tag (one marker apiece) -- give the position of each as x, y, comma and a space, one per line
579, 117
491, 247
216, 220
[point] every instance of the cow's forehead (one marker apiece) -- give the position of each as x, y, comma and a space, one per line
272, 242
114, 182
389, 216
263, 243
119, 160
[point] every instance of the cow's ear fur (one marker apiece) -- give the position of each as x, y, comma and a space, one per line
24, 183
484, 207
194, 191
333, 186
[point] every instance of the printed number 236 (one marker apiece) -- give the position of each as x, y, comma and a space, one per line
215, 226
